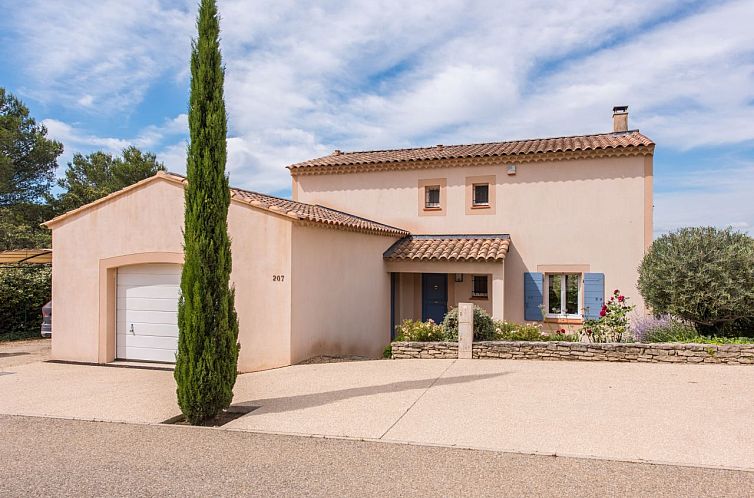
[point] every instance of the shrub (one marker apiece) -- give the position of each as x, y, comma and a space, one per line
665, 329
722, 340
484, 327
505, 331
387, 353
612, 325
702, 275
416, 331
23, 292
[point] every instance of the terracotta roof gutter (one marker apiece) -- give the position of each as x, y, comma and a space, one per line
630, 142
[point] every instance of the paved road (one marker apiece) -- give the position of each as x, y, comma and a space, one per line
668, 414
52, 457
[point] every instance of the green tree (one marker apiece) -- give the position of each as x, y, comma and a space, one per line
24, 289
27, 157
20, 226
205, 369
27, 166
704, 275
98, 174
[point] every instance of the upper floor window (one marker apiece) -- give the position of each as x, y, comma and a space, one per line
563, 295
432, 196
481, 194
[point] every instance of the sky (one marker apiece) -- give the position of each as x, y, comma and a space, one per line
305, 78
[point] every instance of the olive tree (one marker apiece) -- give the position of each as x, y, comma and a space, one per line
704, 275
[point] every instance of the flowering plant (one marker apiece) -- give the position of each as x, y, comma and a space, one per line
612, 325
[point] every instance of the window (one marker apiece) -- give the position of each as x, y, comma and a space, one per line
479, 286
432, 196
563, 294
481, 194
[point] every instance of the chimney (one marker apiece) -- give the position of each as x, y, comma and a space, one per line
620, 118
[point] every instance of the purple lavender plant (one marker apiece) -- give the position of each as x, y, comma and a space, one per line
645, 324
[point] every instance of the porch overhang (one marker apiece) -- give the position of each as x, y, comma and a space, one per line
470, 248
460, 254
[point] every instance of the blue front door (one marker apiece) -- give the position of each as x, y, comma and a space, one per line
434, 296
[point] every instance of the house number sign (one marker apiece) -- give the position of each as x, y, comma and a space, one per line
278, 278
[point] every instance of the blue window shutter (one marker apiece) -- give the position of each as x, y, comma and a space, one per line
594, 294
533, 284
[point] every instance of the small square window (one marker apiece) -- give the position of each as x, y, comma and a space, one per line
481, 194
479, 286
432, 196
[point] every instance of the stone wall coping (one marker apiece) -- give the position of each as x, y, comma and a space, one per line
686, 353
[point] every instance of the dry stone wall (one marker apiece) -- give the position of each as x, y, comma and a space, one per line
731, 354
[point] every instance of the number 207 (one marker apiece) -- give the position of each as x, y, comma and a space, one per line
278, 278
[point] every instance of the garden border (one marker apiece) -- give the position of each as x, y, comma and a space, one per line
730, 354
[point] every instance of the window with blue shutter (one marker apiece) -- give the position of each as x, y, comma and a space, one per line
533, 284
594, 294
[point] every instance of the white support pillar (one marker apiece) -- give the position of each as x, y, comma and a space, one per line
465, 330
498, 293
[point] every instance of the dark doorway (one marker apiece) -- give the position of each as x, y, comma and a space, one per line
434, 296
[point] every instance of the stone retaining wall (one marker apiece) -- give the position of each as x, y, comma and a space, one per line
732, 354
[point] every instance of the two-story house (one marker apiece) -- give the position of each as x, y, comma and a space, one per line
530, 230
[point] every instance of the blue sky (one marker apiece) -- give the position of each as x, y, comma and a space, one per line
304, 78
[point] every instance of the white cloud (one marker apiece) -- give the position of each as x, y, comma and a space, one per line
104, 51
305, 78
150, 138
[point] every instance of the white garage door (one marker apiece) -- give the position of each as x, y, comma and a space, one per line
147, 312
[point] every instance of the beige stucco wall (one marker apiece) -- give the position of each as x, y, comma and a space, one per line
409, 301
261, 245
144, 225
340, 294
590, 212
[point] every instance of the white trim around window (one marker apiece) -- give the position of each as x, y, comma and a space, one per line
563, 287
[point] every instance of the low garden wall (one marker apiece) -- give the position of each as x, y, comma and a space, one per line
732, 354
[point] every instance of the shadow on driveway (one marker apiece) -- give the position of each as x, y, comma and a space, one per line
302, 401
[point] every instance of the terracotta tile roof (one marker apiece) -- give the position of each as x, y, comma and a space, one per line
313, 212
285, 207
449, 248
513, 149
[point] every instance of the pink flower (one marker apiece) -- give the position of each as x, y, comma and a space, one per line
603, 313
621, 298
616, 291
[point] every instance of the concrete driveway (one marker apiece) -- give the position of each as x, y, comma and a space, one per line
13, 353
695, 415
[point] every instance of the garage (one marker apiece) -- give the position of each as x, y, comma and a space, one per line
147, 312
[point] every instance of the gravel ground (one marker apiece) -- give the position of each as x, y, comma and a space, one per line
15, 353
54, 457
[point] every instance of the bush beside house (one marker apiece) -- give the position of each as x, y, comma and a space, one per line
704, 277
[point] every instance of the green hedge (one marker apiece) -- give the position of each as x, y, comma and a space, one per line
23, 292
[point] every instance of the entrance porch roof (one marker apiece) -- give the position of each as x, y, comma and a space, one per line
471, 247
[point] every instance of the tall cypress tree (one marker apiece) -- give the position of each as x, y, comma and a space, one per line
205, 368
